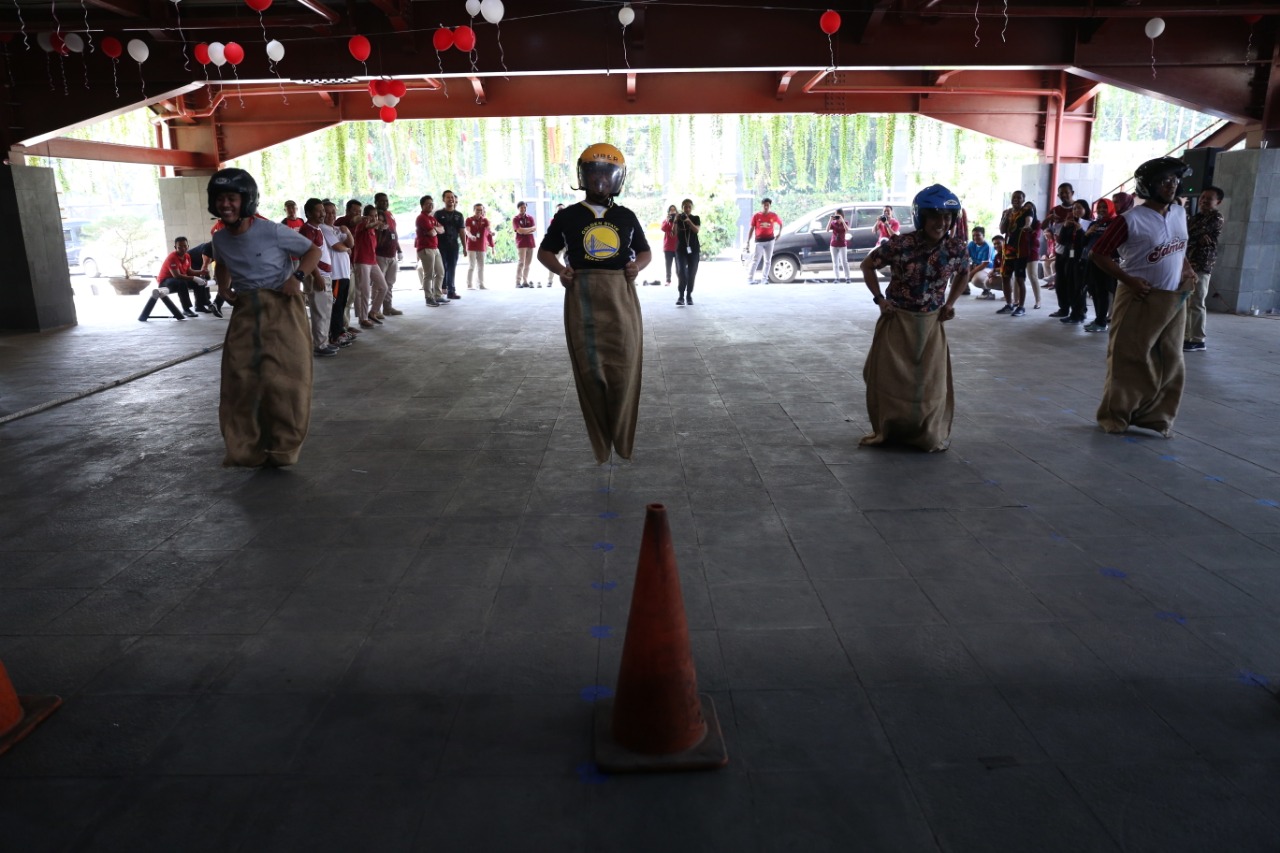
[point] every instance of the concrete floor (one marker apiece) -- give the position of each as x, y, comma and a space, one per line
1045, 639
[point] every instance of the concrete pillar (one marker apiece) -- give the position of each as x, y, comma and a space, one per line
35, 284
184, 206
1085, 178
1244, 279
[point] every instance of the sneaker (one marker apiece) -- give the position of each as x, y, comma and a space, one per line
455, 296
431, 303
680, 301
365, 324
189, 312
442, 302
540, 285
1018, 312
377, 318
325, 352
688, 300
1060, 313
215, 311
1072, 321
342, 341
1007, 309
1096, 327
1193, 346
394, 312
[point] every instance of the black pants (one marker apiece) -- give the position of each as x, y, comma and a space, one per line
1071, 287
1101, 287
338, 319
183, 288
686, 271
670, 257
449, 257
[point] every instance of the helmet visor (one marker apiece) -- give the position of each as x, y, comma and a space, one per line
604, 178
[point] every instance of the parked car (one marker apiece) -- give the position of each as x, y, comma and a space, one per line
73, 237
805, 244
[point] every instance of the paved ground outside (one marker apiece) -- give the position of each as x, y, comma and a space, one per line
1044, 639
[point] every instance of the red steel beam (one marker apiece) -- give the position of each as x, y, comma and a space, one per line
84, 149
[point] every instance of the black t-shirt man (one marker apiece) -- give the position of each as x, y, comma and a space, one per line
595, 238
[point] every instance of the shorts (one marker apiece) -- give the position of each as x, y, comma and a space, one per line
1015, 266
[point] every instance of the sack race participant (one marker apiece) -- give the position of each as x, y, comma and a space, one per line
265, 406
606, 249
910, 399
1145, 370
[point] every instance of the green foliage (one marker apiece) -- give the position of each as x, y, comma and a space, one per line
131, 241
719, 228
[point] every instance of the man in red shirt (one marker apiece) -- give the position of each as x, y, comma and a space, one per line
765, 225
478, 239
371, 287
525, 244
388, 252
291, 219
426, 242
175, 274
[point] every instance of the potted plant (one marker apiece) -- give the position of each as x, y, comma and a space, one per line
122, 246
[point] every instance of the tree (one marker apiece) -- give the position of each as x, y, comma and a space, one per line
131, 241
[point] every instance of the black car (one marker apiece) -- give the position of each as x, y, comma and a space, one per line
805, 244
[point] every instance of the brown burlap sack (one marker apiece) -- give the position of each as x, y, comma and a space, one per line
605, 333
1145, 370
910, 399
265, 407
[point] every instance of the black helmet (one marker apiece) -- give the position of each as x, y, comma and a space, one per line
1148, 175
234, 181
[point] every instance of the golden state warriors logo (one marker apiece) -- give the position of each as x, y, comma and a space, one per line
600, 241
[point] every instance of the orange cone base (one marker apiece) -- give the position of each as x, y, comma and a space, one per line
35, 709
709, 754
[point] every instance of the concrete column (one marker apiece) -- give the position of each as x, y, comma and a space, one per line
35, 284
1244, 279
184, 206
1086, 178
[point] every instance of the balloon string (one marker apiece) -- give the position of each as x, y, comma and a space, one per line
62, 69
218, 68
831, 49
1248, 48
208, 88
22, 24
143, 80
977, 23
1006, 20
502, 57
279, 80
57, 24
443, 82
1153, 59
625, 58
8, 64
115, 81
186, 62
84, 62
48, 69
88, 34
235, 70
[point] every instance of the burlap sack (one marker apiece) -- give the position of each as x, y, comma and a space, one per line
1145, 370
910, 399
605, 334
265, 406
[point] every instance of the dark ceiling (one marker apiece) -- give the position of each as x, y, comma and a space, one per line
1014, 70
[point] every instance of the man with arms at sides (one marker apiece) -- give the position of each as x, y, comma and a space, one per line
1145, 370
606, 249
426, 241
388, 253
265, 405
765, 225
450, 239
1203, 231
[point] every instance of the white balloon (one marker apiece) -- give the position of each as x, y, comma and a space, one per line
275, 51
138, 50
473, 7
626, 15
380, 101
492, 10
217, 53
390, 100
45, 43
74, 43
1155, 27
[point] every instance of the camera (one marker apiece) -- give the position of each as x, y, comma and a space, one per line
884, 218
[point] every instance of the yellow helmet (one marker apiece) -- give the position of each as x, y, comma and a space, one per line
603, 156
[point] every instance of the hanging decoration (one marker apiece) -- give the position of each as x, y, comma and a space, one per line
442, 40
465, 39
234, 54
977, 24
830, 24
112, 47
1154, 29
492, 11
473, 8
88, 33
1005, 29
1252, 21
387, 114
626, 15
22, 25
5, 38
186, 61
218, 57
139, 51
201, 52
359, 48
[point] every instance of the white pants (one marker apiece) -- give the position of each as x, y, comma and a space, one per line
839, 261
762, 258
389, 267
476, 260
431, 273
524, 259
320, 301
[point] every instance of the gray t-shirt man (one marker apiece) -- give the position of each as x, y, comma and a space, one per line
260, 258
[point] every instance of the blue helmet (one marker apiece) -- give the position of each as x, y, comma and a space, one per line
936, 197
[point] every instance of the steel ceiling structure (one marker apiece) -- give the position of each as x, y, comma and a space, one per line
1026, 71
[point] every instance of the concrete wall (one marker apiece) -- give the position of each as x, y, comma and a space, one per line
1245, 277
35, 284
184, 205
1086, 178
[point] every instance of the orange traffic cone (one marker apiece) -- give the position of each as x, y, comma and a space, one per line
20, 714
657, 720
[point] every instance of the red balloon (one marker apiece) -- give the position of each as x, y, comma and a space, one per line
201, 52
1252, 19
397, 88
382, 87
112, 47
58, 44
442, 38
373, 87
465, 38
360, 48
233, 52
258, 5
830, 22
387, 114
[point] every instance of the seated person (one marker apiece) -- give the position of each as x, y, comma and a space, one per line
979, 262
202, 267
175, 275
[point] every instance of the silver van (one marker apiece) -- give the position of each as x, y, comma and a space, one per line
805, 244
